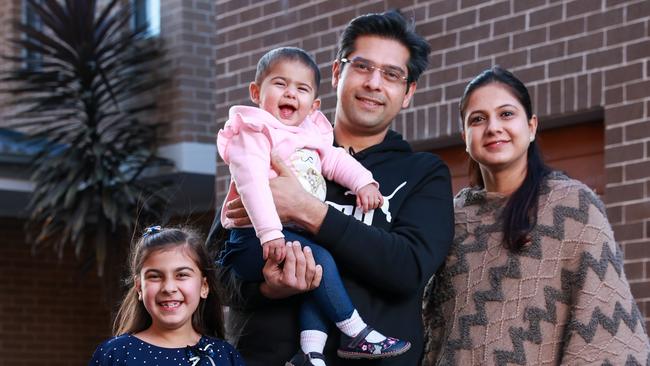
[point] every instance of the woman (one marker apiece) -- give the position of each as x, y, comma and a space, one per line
534, 275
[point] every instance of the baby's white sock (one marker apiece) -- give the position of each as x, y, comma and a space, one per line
313, 341
354, 325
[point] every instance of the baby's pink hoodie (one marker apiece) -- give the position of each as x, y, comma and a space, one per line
246, 142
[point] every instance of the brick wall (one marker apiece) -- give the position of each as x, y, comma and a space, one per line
188, 31
580, 59
50, 313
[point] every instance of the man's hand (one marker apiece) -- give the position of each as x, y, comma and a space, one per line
275, 249
237, 213
369, 198
286, 192
292, 202
298, 274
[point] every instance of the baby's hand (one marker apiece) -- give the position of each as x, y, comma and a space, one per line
276, 248
369, 197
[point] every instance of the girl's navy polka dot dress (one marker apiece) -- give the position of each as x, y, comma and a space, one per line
128, 350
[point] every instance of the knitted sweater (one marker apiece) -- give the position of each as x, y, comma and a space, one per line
563, 299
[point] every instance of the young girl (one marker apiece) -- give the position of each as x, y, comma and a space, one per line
172, 314
289, 125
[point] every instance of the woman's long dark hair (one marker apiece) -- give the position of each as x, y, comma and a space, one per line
520, 214
208, 319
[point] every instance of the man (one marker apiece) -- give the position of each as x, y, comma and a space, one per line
385, 256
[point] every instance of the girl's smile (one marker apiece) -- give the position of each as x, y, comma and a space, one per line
171, 286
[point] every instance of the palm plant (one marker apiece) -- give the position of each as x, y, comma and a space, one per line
85, 99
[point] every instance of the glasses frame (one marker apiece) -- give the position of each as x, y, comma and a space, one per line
372, 67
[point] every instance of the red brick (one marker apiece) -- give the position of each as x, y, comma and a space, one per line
637, 211
455, 126
270, 8
585, 43
229, 21
623, 153
625, 232
625, 33
605, 19
624, 74
637, 131
547, 52
580, 7
635, 270
378, 7
329, 39
427, 97
525, 5
435, 61
640, 289
329, 6
604, 58
626, 192
433, 27
625, 113
595, 88
636, 171
638, 50
568, 86
454, 91
541, 98
545, 15
615, 214
530, 74
460, 20
470, 70
443, 118
614, 136
494, 11
567, 28
443, 42
474, 34
583, 95
492, 47
638, 10
443, 7
556, 97
250, 14
510, 25
469, 3
566, 66
525, 39
614, 95
513, 59
461, 55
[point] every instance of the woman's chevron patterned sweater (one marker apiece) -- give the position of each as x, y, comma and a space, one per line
563, 300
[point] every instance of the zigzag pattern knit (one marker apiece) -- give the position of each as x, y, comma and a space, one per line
563, 299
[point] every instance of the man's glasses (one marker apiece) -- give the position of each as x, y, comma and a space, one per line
364, 67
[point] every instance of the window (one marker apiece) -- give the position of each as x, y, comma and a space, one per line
147, 14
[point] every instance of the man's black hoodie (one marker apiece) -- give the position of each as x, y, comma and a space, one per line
385, 258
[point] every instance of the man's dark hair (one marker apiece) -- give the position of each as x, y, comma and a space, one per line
391, 25
286, 54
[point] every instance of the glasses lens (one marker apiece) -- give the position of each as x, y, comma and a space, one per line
365, 67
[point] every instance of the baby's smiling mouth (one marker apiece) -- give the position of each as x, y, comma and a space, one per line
286, 111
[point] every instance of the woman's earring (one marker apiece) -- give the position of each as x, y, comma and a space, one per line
467, 148
532, 138
139, 296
